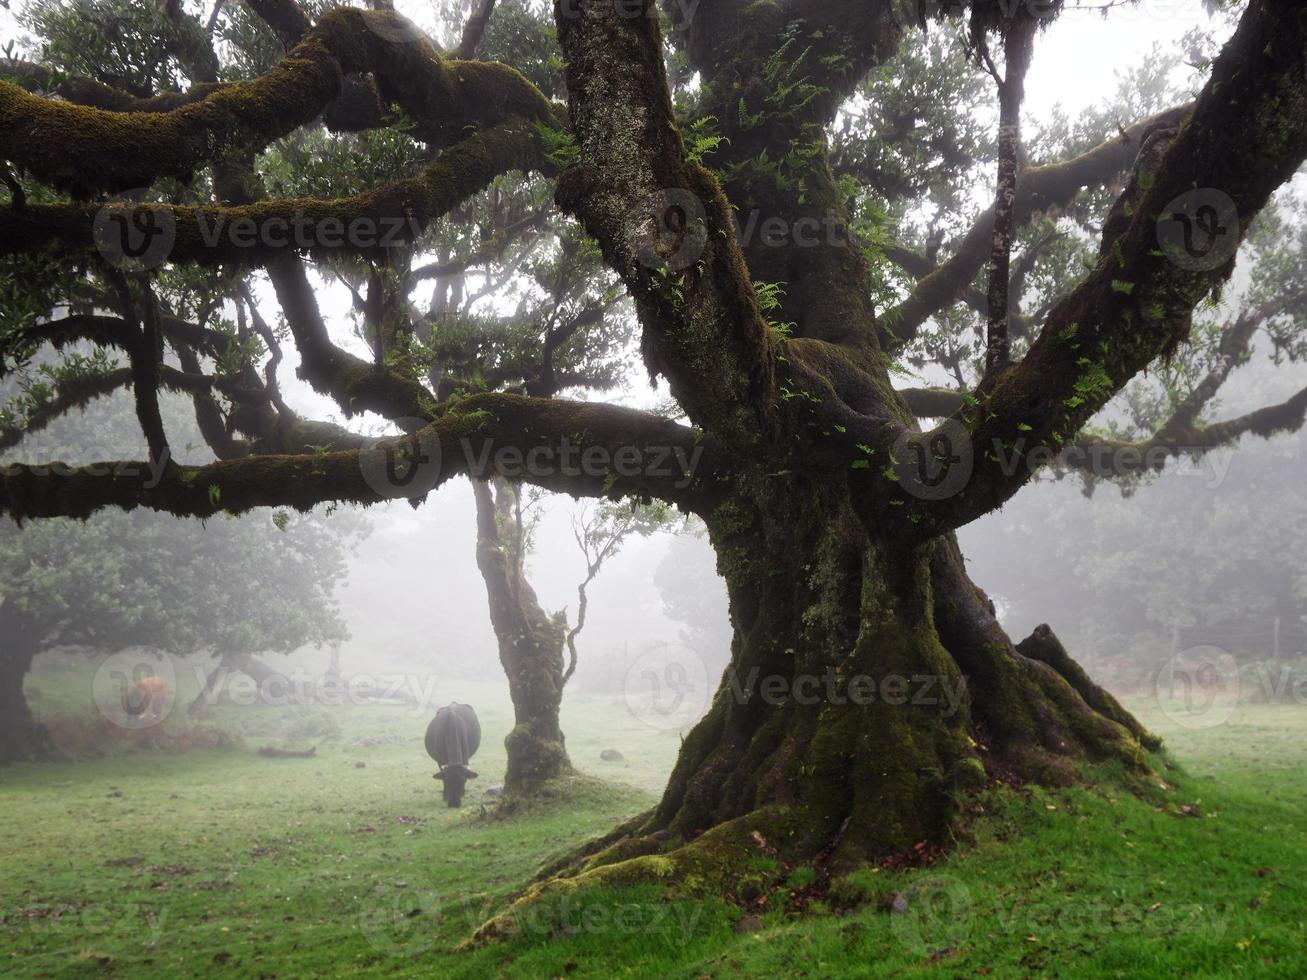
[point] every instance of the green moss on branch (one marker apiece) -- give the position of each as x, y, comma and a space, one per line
86, 149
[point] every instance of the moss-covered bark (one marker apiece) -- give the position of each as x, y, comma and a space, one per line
86, 149
464, 434
870, 690
530, 645
255, 234
858, 781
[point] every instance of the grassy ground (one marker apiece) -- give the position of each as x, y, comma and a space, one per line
213, 863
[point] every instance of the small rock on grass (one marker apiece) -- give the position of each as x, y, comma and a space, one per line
895, 902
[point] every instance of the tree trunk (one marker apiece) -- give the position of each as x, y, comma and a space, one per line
21, 738
870, 688
530, 644
271, 682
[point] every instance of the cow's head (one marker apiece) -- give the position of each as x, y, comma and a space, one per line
455, 780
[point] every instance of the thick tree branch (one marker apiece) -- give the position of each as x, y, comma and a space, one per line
70, 394
78, 392
255, 233
474, 30
285, 17
662, 223
1043, 187
357, 385
1182, 434
1247, 136
774, 88
919, 266
932, 403
1111, 459
1018, 45
571, 447
88, 149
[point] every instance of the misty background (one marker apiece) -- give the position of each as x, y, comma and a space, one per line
413, 600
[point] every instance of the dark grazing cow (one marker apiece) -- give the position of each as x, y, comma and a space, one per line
453, 737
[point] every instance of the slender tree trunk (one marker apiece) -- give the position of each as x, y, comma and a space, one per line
272, 684
898, 693
530, 644
21, 738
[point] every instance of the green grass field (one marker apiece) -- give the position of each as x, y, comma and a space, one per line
221, 863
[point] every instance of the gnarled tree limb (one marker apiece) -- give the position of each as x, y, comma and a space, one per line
579, 448
1247, 135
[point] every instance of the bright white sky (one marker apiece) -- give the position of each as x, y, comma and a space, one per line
1077, 59
1074, 64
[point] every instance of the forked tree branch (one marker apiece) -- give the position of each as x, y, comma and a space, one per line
1246, 137
88, 149
1042, 188
254, 234
662, 223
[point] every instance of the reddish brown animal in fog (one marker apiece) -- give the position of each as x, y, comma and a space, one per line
148, 697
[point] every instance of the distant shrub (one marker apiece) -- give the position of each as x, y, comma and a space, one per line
85, 737
314, 725
1129, 664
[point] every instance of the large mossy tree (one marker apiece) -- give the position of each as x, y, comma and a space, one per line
778, 330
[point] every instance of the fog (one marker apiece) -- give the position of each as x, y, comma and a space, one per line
299, 735
415, 601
